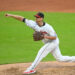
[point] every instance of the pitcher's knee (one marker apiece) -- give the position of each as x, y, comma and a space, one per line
61, 59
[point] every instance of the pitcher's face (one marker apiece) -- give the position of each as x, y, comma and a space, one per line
38, 19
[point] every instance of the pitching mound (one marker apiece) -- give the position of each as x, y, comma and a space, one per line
44, 68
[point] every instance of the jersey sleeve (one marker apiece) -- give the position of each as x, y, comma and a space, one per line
32, 24
51, 32
29, 23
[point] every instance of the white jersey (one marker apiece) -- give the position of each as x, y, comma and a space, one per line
46, 28
50, 46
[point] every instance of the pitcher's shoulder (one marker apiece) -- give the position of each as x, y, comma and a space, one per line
30, 21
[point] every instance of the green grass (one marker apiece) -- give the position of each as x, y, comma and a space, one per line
16, 42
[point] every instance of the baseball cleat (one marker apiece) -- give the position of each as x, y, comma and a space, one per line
29, 72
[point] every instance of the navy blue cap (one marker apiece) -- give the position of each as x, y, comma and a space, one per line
39, 15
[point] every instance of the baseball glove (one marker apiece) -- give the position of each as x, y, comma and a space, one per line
38, 36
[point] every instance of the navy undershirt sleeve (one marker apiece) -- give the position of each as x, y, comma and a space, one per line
24, 20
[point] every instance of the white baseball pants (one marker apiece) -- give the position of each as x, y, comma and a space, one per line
50, 48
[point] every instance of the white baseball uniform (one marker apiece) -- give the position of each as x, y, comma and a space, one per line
50, 46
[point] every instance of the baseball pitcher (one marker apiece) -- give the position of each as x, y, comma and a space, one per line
46, 33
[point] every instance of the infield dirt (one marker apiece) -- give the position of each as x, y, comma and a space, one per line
44, 68
38, 5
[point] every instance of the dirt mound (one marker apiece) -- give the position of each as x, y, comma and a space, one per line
35, 5
44, 68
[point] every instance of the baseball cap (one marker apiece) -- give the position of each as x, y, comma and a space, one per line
39, 15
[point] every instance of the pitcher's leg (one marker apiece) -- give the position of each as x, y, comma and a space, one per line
38, 57
47, 48
57, 54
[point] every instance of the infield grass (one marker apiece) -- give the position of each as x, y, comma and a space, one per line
16, 42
